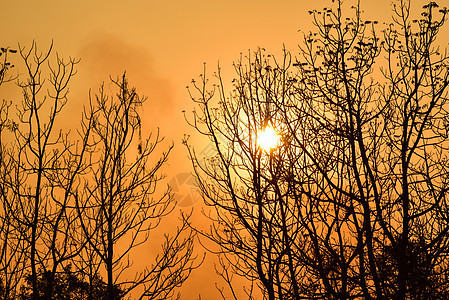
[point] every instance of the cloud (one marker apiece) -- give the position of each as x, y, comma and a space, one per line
105, 54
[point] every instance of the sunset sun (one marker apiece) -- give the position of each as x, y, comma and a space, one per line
267, 138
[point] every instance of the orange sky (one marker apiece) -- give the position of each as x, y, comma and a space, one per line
162, 45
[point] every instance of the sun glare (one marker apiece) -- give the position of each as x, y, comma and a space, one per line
267, 139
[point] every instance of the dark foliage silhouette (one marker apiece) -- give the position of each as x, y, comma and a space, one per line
68, 285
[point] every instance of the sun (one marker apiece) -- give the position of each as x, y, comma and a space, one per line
267, 138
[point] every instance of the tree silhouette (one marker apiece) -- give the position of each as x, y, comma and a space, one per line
40, 175
74, 205
11, 257
353, 203
118, 206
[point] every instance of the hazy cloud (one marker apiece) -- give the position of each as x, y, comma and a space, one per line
105, 54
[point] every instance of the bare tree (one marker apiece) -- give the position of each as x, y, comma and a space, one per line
12, 256
41, 174
13, 245
388, 150
255, 220
73, 207
120, 205
353, 201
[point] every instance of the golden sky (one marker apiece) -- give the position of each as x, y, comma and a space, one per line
162, 45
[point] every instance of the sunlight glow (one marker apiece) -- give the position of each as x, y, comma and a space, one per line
267, 139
